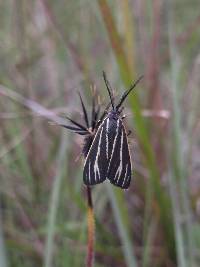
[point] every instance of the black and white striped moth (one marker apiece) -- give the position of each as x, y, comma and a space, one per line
108, 156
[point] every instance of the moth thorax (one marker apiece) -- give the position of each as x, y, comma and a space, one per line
113, 115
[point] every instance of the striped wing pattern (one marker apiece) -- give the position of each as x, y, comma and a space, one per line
109, 155
119, 166
95, 164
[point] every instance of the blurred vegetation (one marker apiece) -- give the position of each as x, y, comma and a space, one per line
48, 51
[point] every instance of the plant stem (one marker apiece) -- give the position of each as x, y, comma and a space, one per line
91, 230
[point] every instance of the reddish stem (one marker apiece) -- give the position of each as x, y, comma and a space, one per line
91, 230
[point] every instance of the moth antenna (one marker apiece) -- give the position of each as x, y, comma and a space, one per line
109, 88
127, 92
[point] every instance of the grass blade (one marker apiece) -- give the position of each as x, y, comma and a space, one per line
53, 205
3, 259
119, 212
183, 238
154, 190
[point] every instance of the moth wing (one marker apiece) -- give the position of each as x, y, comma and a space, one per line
119, 168
96, 164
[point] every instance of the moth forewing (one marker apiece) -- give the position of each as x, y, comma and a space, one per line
95, 166
127, 134
128, 178
119, 163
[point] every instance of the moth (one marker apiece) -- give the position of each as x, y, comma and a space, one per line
109, 156
105, 146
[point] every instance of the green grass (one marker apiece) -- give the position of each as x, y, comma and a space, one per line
48, 51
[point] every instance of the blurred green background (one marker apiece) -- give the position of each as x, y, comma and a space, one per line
48, 51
